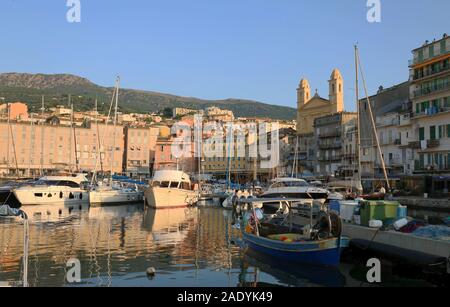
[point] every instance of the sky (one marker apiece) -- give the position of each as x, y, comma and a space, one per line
217, 49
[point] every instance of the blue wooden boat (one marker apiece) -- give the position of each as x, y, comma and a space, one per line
324, 252
295, 248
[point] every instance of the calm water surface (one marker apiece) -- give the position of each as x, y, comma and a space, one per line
187, 247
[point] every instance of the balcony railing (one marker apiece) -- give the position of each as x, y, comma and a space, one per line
330, 159
433, 143
330, 146
433, 111
414, 145
430, 73
331, 134
430, 168
432, 89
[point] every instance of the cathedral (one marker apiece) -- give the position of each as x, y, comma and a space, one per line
309, 108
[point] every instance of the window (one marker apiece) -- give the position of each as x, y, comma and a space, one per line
446, 102
421, 55
421, 134
164, 184
443, 47
174, 184
431, 51
433, 132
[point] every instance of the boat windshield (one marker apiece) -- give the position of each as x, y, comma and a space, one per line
288, 184
66, 183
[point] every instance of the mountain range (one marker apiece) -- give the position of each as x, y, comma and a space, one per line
56, 88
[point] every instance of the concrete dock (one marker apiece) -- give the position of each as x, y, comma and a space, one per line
438, 248
425, 203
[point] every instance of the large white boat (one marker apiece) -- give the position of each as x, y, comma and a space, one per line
294, 188
70, 189
170, 189
115, 194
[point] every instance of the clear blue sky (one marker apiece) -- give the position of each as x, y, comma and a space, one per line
214, 49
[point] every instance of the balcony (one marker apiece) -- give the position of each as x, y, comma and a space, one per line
430, 73
405, 119
398, 142
431, 90
430, 168
433, 143
330, 159
414, 145
332, 134
433, 111
349, 156
417, 61
330, 146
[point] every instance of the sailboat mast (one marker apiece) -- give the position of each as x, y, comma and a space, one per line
31, 146
98, 136
115, 125
358, 117
369, 106
11, 135
42, 135
74, 142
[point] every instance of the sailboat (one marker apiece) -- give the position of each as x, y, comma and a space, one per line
375, 195
110, 192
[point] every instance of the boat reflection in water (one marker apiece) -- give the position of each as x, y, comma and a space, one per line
296, 275
169, 225
55, 213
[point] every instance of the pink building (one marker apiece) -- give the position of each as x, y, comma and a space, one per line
47, 148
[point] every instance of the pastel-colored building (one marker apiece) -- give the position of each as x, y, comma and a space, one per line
42, 148
140, 146
17, 110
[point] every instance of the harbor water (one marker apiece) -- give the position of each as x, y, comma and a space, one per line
187, 247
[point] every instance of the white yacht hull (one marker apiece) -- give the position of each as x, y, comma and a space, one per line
114, 197
159, 198
51, 196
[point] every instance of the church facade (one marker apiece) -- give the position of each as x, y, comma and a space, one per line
309, 108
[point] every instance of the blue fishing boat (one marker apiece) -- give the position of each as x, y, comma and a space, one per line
319, 244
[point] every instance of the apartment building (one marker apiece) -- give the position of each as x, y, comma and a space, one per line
140, 147
34, 148
430, 95
328, 134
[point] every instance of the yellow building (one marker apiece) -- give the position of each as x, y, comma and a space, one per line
311, 107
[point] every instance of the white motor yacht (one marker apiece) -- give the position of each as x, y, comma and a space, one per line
170, 189
294, 188
71, 189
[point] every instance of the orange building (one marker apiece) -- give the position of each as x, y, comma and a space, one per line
17, 110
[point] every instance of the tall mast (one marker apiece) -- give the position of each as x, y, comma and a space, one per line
98, 136
8, 114
31, 146
11, 136
42, 134
374, 129
358, 117
74, 141
115, 125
